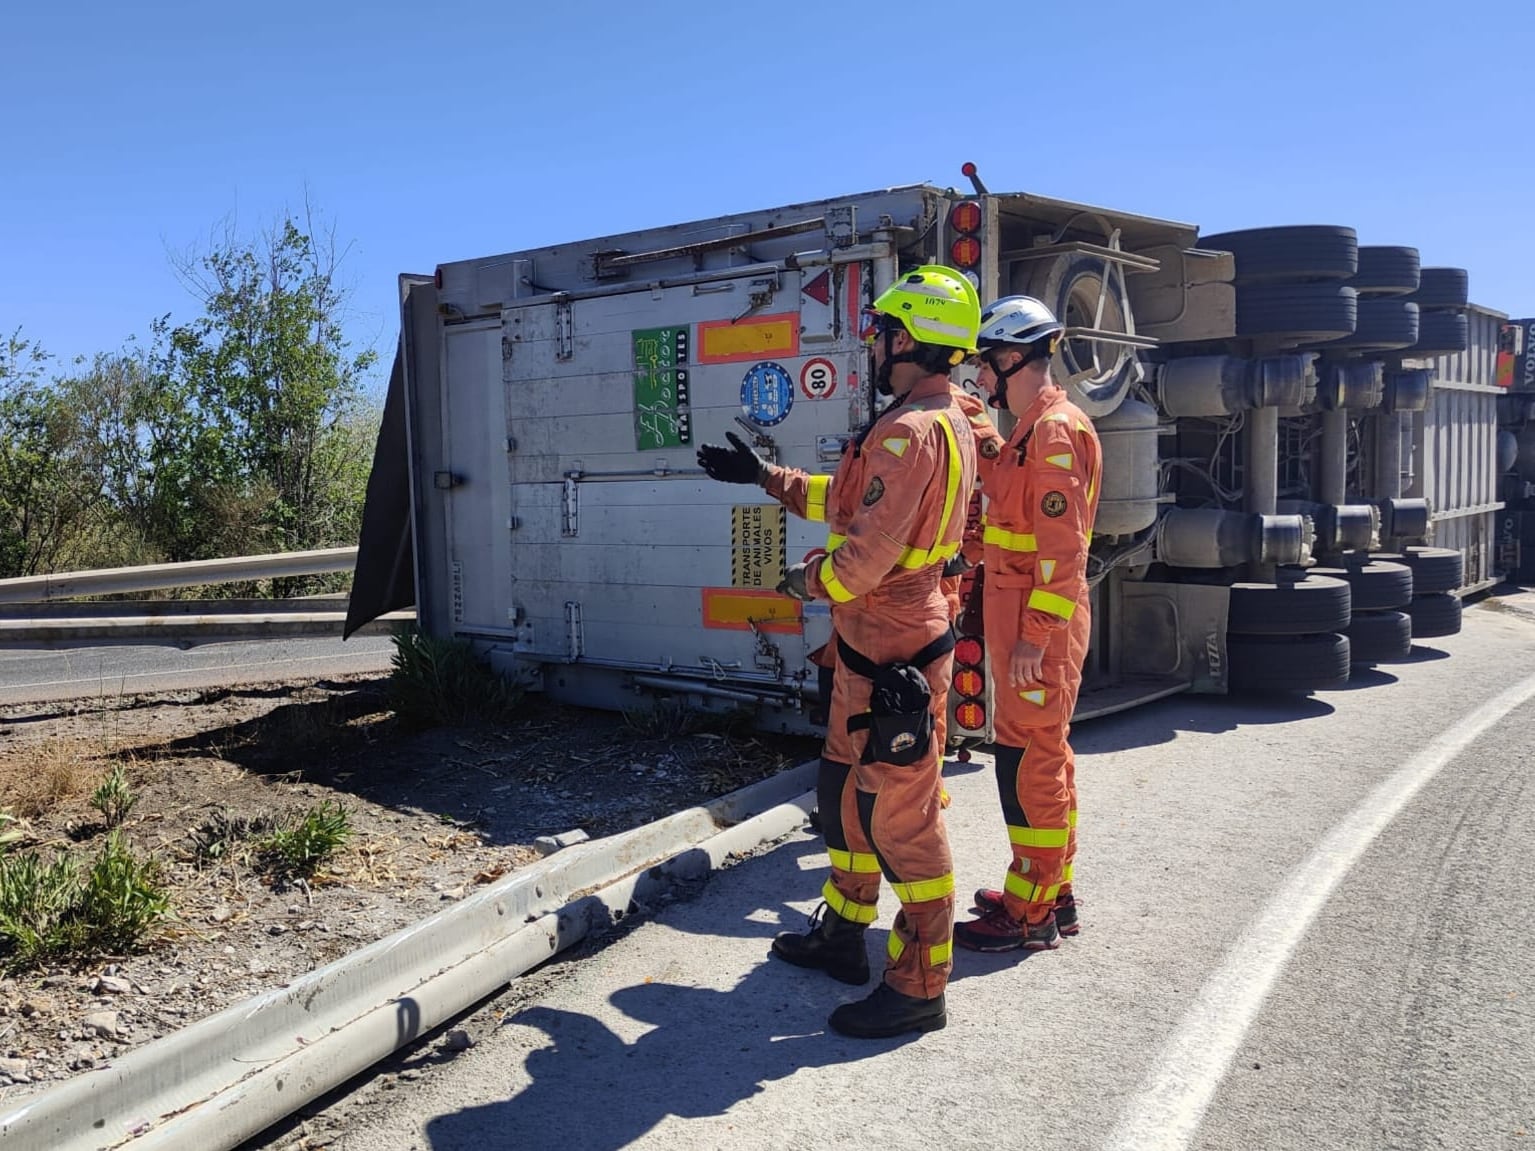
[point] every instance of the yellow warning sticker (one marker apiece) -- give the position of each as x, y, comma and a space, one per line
757, 535
759, 338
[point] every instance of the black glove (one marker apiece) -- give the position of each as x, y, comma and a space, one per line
793, 583
732, 465
957, 565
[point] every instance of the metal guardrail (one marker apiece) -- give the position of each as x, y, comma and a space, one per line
29, 617
153, 577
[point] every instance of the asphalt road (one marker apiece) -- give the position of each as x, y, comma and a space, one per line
1306, 925
37, 675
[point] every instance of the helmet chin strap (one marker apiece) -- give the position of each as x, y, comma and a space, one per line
999, 393
882, 382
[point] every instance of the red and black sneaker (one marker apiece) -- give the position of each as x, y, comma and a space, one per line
996, 930
990, 899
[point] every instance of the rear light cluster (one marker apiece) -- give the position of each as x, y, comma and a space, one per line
969, 684
965, 224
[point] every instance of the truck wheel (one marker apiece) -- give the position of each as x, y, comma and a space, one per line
1301, 313
1290, 607
1386, 271
1440, 333
1288, 663
1374, 586
1441, 288
1433, 569
1070, 287
1384, 325
1380, 636
1434, 615
1299, 252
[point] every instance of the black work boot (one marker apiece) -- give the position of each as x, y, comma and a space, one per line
887, 1012
833, 945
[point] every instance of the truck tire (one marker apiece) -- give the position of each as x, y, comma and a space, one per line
1384, 325
1301, 663
1386, 271
1441, 288
1380, 636
1289, 608
1375, 586
1298, 252
1069, 286
1434, 615
1300, 313
1441, 333
1434, 569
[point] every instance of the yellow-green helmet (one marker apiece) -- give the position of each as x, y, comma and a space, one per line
936, 305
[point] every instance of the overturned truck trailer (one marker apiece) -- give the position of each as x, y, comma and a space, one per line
1269, 403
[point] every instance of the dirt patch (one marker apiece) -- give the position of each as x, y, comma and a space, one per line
433, 814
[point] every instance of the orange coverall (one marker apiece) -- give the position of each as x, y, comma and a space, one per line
896, 512
1042, 496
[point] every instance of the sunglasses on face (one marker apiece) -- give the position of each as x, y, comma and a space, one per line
875, 324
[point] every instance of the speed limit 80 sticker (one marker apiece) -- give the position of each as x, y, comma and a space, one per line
818, 378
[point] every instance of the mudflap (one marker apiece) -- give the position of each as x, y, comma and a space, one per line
1175, 630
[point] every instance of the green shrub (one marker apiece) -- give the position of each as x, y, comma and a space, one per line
114, 798
51, 911
441, 681
299, 848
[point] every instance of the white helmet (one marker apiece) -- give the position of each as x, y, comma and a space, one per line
1016, 320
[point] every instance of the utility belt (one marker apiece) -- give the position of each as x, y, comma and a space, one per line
900, 715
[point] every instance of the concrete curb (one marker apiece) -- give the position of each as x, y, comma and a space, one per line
223, 1079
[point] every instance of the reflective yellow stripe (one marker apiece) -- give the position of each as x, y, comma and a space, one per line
1027, 891
1038, 836
855, 861
833, 585
834, 541
815, 498
924, 889
1071, 818
1010, 541
846, 908
1066, 874
940, 953
895, 947
1052, 603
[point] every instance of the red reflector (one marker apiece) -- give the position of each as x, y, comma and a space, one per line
965, 252
437, 279
968, 682
970, 715
965, 217
967, 169
969, 651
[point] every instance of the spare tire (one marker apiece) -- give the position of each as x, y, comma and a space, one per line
1441, 333
1300, 313
1287, 663
1380, 636
1096, 375
1290, 607
1434, 615
1385, 271
1442, 288
1298, 252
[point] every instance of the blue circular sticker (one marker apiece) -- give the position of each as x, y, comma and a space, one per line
767, 394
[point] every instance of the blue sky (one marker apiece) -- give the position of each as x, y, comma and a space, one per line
425, 134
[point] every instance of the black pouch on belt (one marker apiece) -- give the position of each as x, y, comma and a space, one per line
900, 715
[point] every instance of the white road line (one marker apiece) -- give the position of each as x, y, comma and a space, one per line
1165, 1116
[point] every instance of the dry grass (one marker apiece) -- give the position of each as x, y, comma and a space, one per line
55, 773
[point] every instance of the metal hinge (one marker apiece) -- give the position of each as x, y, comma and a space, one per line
574, 640
564, 329
761, 291
570, 518
841, 226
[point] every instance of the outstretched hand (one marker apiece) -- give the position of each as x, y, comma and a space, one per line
737, 464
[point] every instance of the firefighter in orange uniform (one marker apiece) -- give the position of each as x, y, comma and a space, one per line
1041, 498
895, 510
